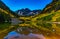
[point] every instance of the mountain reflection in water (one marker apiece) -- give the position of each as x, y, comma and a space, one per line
15, 35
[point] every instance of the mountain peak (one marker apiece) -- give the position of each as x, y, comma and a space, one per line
27, 12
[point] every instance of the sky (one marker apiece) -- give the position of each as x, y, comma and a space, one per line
31, 4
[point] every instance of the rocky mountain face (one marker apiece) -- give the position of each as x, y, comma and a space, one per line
54, 5
3, 6
3, 16
52, 12
27, 12
6, 8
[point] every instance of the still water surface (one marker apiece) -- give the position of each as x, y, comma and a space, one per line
15, 35
51, 30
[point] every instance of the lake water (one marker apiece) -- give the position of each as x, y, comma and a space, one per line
15, 35
46, 29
